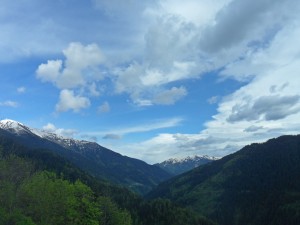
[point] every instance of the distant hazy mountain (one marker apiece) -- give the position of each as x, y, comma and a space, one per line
177, 166
89, 156
260, 184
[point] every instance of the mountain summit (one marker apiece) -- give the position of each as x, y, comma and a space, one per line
177, 166
89, 156
14, 127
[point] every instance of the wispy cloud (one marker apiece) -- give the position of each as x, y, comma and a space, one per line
21, 89
104, 108
9, 103
153, 125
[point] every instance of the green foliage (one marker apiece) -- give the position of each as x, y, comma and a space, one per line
66, 195
164, 212
42, 198
50, 200
111, 215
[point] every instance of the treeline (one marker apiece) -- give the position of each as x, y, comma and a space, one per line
259, 184
39, 187
41, 197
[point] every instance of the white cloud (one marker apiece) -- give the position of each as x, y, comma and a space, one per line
69, 101
251, 41
180, 45
153, 125
50, 71
79, 71
265, 107
9, 103
21, 89
49, 127
80, 67
104, 108
200, 12
169, 56
167, 41
271, 107
213, 100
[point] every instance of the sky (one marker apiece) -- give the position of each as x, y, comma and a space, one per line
153, 79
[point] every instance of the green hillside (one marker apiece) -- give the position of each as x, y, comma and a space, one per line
259, 184
39, 187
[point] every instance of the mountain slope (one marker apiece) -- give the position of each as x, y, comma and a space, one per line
91, 157
260, 184
12, 159
179, 166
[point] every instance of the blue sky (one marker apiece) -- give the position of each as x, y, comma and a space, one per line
153, 79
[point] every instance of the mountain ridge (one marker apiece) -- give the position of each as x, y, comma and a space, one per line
258, 184
89, 156
178, 166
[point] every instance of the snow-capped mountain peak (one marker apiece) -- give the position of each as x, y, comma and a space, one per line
190, 159
14, 126
177, 166
18, 128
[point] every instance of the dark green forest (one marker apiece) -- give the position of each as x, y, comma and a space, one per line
259, 185
39, 187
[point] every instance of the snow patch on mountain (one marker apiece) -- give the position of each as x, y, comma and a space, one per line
19, 129
190, 159
177, 166
14, 127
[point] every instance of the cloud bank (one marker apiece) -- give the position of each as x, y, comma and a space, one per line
151, 48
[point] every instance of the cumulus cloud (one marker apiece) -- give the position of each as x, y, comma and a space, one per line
266, 106
169, 56
49, 127
9, 103
238, 22
176, 43
104, 108
49, 71
69, 101
80, 67
79, 71
255, 42
180, 45
269, 107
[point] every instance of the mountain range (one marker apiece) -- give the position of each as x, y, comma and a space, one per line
260, 184
177, 166
91, 157
39, 186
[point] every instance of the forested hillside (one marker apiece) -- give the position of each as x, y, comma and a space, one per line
91, 157
39, 187
259, 184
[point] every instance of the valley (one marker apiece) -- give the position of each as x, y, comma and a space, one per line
256, 185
